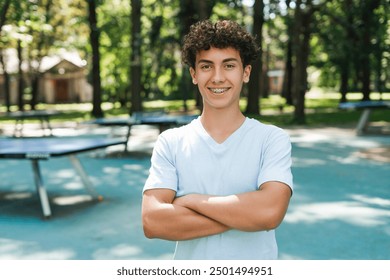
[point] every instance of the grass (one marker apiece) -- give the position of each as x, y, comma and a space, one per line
321, 110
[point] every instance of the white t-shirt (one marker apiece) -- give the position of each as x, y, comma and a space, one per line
188, 160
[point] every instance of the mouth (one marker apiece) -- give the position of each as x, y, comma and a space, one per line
219, 91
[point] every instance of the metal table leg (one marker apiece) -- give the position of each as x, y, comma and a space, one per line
41, 189
18, 128
84, 177
127, 136
363, 121
45, 120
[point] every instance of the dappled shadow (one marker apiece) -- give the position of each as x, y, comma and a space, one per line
341, 204
340, 208
358, 213
80, 228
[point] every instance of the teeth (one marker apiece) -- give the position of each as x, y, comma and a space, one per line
218, 90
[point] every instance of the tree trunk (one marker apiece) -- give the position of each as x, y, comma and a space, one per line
365, 65
187, 17
6, 85
20, 78
348, 50
254, 85
136, 100
3, 17
192, 11
3, 14
288, 74
288, 69
34, 91
344, 83
42, 51
203, 10
368, 8
301, 53
96, 82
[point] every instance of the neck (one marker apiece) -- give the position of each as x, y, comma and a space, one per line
220, 124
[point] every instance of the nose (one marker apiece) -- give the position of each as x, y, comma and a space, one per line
218, 76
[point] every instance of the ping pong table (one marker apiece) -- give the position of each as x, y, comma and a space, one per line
162, 121
37, 149
42, 115
366, 107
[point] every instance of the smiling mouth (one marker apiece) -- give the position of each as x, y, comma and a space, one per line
218, 90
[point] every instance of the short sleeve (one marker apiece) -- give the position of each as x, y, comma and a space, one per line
162, 173
276, 159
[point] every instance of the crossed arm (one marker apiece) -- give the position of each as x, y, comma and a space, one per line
197, 215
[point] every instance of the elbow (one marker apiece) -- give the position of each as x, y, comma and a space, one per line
271, 225
154, 228
273, 220
266, 221
148, 232
149, 227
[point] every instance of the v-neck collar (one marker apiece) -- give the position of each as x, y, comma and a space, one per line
210, 140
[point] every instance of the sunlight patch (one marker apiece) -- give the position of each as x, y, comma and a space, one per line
121, 251
345, 160
134, 167
73, 186
307, 162
21, 250
379, 154
310, 137
13, 196
66, 173
349, 212
71, 200
371, 200
111, 170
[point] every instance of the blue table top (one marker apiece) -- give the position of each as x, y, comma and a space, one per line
32, 114
44, 148
161, 119
365, 104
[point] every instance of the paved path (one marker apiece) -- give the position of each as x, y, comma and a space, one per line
340, 208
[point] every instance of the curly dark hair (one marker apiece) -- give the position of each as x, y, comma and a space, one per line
223, 34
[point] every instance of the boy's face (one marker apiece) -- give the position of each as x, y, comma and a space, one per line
219, 74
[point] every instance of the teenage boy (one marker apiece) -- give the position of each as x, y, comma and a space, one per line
220, 185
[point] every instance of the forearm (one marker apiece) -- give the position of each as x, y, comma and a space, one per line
224, 209
174, 222
251, 211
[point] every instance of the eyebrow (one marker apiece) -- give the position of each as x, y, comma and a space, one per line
223, 61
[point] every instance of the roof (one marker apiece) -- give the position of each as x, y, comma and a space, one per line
47, 62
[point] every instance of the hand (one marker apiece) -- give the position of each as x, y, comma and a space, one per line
182, 200
190, 200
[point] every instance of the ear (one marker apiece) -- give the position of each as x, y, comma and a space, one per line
247, 73
193, 76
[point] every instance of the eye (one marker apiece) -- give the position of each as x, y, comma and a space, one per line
205, 67
230, 66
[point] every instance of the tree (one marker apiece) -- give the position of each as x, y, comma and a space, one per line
3, 17
136, 71
38, 27
301, 50
288, 68
192, 11
94, 38
338, 40
368, 24
254, 85
3, 14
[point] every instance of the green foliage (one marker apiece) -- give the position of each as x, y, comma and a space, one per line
337, 29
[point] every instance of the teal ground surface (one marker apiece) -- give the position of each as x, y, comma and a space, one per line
340, 208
